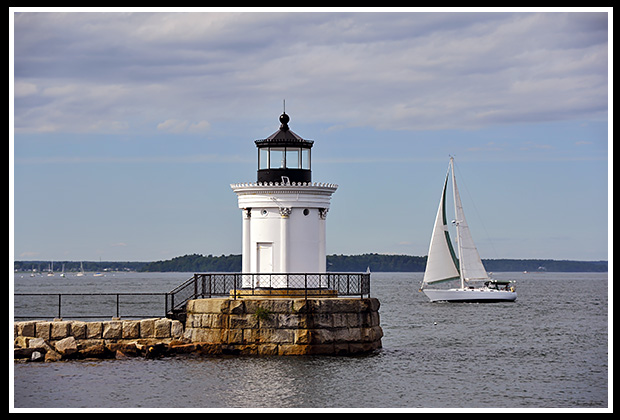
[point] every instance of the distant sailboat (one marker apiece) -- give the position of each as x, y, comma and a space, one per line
81, 272
443, 265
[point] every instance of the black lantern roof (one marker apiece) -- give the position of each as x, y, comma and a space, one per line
284, 136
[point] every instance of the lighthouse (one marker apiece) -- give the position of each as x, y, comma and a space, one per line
283, 302
283, 213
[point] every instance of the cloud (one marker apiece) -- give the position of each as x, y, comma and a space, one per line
29, 254
25, 89
178, 126
80, 72
172, 126
199, 127
530, 145
489, 147
183, 159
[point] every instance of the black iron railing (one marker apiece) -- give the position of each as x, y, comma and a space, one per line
305, 285
199, 286
89, 305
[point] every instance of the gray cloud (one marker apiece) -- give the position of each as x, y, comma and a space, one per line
84, 72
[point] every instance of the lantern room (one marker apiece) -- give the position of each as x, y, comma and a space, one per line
284, 156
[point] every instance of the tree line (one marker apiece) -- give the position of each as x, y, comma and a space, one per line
198, 263
409, 263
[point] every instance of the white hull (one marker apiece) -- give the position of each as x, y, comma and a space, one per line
470, 295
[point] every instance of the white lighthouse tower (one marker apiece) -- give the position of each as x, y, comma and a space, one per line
283, 213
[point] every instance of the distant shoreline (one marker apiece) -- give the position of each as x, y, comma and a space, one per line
337, 263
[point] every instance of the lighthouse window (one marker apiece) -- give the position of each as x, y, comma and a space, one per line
283, 157
292, 158
263, 158
276, 158
305, 158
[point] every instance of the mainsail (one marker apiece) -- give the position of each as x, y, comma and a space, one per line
471, 264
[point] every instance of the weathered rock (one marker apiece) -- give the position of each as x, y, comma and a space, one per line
176, 329
66, 347
95, 349
94, 330
22, 353
162, 328
43, 330
52, 356
156, 351
130, 349
147, 328
112, 330
184, 348
60, 330
196, 348
21, 342
37, 342
78, 329
26, 328
131, 329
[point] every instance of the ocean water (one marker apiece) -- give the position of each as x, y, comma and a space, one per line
549, 349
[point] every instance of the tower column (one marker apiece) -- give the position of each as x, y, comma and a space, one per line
246, 237
322, 263
285, 212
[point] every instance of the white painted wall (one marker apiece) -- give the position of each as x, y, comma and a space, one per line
279, 226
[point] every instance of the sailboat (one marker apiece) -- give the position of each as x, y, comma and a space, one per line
50, 272
444, 265
81, 272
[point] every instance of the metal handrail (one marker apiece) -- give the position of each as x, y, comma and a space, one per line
207, 285
59, 305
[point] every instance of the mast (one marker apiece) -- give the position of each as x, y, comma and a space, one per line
457, 222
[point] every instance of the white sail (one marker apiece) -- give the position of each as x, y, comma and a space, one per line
441, 264
470, 263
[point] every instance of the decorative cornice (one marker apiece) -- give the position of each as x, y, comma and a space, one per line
320, 188
287, 184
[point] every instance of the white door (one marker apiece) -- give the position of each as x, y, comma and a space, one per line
264, 258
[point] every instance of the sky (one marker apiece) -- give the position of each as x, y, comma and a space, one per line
128, 127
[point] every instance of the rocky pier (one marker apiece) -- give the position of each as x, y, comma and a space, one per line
244, 326
64, 340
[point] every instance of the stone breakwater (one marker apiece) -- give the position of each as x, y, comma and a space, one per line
286, 326
62, 340
243, 326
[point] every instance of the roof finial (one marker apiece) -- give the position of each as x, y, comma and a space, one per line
284, 119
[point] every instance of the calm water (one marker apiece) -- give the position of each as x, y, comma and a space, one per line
547, 349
